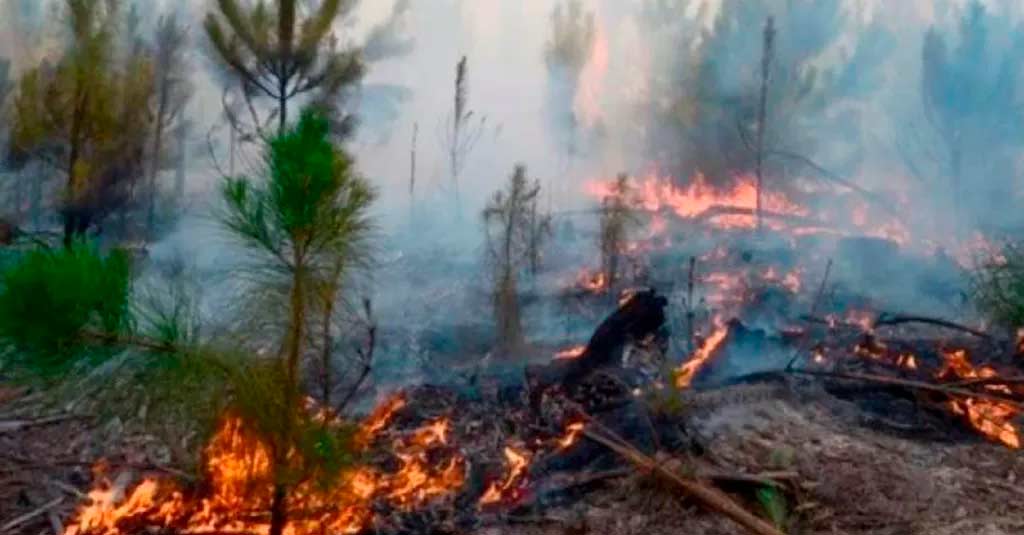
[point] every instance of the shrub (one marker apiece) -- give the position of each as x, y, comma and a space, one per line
51, 298
998, 287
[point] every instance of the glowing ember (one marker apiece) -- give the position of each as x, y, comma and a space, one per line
239, 487
517, 463
991, 418
593, 282
572, 434
571, 353
688, 370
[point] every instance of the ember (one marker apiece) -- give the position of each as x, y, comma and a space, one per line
571, 353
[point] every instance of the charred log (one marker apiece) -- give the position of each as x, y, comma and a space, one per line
635, 319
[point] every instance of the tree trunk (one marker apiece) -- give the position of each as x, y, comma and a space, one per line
155, 163
179, 178
762, 113
279, 509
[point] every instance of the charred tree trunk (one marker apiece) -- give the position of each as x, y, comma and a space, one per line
642, 315
762, 112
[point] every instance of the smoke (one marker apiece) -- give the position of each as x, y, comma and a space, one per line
661, 84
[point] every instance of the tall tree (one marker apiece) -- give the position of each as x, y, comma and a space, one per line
307, 225
172, 93
87, 115
284, 51
565, 55
705, 104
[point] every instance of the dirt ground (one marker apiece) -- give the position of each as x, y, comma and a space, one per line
851, 477
846, 474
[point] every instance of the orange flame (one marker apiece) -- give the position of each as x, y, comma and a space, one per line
500, 490
572, 435
240, 476
574, 352
698, 197
991, 418
688, 370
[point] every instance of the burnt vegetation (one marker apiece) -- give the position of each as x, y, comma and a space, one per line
232, 301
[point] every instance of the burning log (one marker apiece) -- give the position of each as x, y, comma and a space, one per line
636, 318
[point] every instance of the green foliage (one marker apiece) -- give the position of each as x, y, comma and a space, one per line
512, 230
774, 504
313, 210
50, 299
704, 107
998, 287
279, 54
88, 113
319, 448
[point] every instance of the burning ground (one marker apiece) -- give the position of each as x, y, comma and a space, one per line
798, 379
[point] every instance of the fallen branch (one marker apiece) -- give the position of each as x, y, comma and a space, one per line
8, 426
42, 510
948, 390
366, 357
710, 497
896, 319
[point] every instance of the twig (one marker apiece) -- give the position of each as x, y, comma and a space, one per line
907, 383
814, 309
17, 425
768, 479
712, 498
691, 346
897, 319
39, 511
366, 356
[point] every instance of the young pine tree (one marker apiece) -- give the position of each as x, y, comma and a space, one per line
616, 220
514, 237
308, 225
282, 51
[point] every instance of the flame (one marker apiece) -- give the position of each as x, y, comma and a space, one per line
239, 487
593, 282
991, 418
688, 370
696, 199
517, 463
791, 281
572, 435
571, 353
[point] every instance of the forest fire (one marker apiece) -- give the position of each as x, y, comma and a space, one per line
991, 418
240, 478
